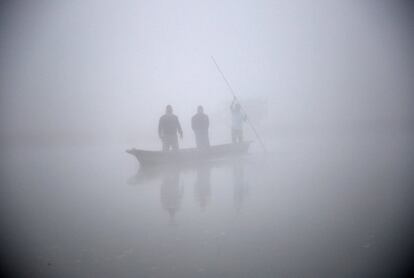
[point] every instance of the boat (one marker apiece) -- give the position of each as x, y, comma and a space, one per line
189, 155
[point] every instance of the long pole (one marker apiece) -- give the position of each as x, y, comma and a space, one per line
244, 111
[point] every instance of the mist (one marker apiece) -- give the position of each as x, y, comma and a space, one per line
327, 85
100, 71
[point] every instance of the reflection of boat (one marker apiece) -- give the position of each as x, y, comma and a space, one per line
155, 158
147, 174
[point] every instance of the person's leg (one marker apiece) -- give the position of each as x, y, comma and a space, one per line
198, 140
169, 142
165, 145
236, 136
241, 136
174, 142
233, 136
202, 138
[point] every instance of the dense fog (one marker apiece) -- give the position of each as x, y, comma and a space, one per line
327, 86
90, 71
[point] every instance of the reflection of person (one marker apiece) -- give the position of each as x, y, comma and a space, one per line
200, 124
170, 192
239, 183
202, 186
168, 127
237, 119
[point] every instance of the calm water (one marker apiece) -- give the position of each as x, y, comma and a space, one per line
305, 210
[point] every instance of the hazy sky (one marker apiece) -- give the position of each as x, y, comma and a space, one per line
108, 68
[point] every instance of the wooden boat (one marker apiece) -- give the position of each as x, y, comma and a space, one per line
190, 155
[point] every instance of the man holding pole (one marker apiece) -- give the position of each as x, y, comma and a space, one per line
238, 116
237, 119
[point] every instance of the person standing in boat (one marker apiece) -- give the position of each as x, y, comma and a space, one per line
237, 120
168, 127
200, 124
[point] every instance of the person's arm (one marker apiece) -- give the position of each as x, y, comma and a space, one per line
180, 131
192, 123
160, 127
207, 122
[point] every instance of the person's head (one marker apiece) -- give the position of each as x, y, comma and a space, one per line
237, 107
168, 109
200, 109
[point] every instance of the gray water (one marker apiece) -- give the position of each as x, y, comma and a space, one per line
307, 209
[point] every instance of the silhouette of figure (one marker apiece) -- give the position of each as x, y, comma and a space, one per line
200, 124
171, 192
202, 186
168, 127
239, 183
237, 119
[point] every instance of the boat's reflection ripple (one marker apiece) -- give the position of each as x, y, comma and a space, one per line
171, 191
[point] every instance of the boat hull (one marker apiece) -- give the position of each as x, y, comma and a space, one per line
155, 158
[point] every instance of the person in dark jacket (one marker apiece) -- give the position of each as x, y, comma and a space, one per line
200, 124
168, 127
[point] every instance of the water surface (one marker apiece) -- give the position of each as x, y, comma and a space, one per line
304, 210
